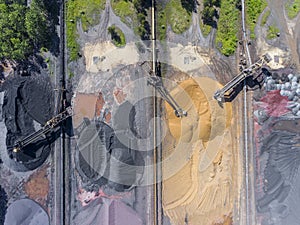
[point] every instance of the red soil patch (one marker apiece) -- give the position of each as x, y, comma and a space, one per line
275, 104
37, 186
99, 106
84, 106
89, 106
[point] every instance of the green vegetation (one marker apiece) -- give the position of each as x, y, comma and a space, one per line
292, 8
24, 30
161, 25
206, 29
141, 7
253, 9
117, 36
88, 12
265, 17
178, 16
209, 15
15, 43
124, 9
134, 14
272, 32
37, 25
71, 74
226, 38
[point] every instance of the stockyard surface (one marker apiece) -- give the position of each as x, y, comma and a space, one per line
123, 126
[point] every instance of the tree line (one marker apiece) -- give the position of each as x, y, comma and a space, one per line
26, 29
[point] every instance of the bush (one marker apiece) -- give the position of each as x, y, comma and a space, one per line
265, 18
178, 17
272, 32
117, 36
292, 8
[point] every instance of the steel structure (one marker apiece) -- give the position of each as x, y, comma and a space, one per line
49, 126
252, 69
157, 83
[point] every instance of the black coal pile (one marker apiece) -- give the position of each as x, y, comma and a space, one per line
27, 99
108, 155
280, 178
3, 205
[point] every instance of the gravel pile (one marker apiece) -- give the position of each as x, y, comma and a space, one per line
289, 86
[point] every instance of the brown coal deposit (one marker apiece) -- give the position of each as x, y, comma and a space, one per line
28, 100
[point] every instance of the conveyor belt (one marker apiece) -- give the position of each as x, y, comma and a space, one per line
254, 68
156, 82
52, 123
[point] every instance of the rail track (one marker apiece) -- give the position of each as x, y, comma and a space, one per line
60, 155
157, 152
248, 151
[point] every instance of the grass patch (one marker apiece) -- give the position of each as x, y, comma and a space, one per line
205, 29
71, 74
88, 12
117, 36
126, 11
161, 23
253, 9
134, 14
123, 9
292, 8
272, 32
226, 38
177, 16
265, 18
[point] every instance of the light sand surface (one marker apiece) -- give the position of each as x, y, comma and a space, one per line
187, 59
265, 48
202, 190
104, 56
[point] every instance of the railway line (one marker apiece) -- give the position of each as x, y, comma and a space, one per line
157, 151
60, 155
248, 152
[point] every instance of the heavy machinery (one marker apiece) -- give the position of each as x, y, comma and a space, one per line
48, 127
157, 83
252, 69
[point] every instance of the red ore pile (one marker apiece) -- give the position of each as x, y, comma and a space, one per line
275, 104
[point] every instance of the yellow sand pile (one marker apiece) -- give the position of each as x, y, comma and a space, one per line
197, 171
